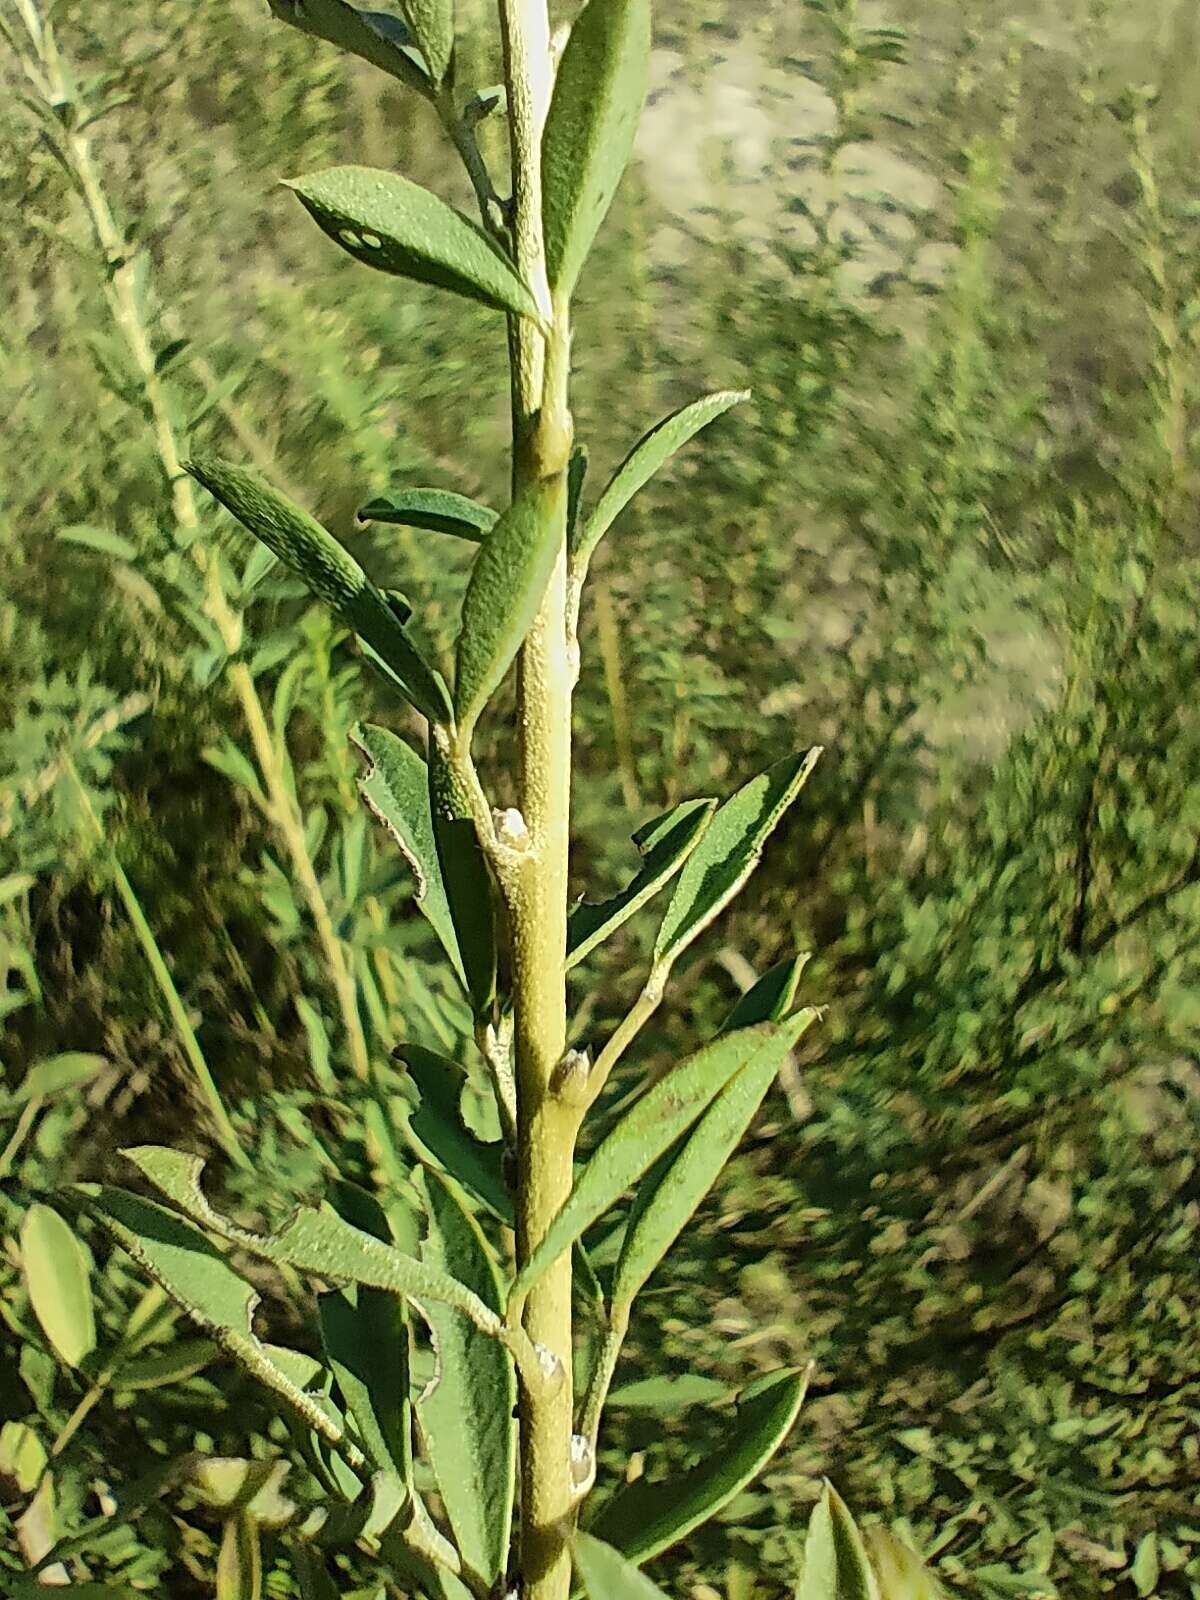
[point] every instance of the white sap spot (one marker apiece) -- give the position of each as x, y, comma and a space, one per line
372, 240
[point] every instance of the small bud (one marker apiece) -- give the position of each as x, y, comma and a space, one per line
569, 1080
511, 830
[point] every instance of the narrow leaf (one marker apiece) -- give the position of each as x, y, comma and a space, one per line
728, 853
608, 1575
466, 876
320, 1242
439, 1128
439, 510
835, 1560
662, 1210
239, 1561
643, 461
648, 1516
384, 221
901, 1573
665, 846
181, 1359
507, 584
593, 117
467, 1418
330, 571
59, 1283
771, 998
396, 791
382, 40
432, 23
56, 1075
198, 1278
668, 1395
648, 1129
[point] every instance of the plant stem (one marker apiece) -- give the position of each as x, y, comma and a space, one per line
537, 893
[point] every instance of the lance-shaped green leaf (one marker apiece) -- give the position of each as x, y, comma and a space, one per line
55, 1075
649, 1515
439, 1129
382, 40
665, 845
835, 1560
467, 1416
432, 24
316, 1241
396, 791
649, 1128
608, 1575
728, 854
366, 1341
330, 571
661, 1209
466, 876
590, 128
386, 222
644, 460
58, 1282
506, 587
900, 1572
181, 1260
239, 1560
771, 998
439, 510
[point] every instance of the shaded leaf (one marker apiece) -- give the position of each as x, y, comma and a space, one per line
647, 1516
384, 221
728, 853
661, 1210
506, 587
590, 128
330, 571
771, 998
438, 1126
396, 791
665, 845
181, 1359
648, 1129
835, 1560
466, 876
467, 1418
608, 1575
382, 40
644, 460
54, 1076
439, 510
432, 24
58, 1281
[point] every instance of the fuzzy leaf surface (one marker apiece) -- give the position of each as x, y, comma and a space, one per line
728, 853
396, 792
316, 1241
330, 571
438, 1126
58, 1282
661, 1210
507, 583
467, 1418
643, 461
438, 510
648, 1516
608, 1575
381, 39
771, 998
386, 222
665, 846
590, 128
648, 1129
432, 24
836, 1566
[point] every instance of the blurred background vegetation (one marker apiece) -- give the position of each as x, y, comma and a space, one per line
953, 539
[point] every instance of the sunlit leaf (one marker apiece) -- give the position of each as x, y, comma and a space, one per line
608, 1575
649, 1128
665, 845
384, 221
58, 1281
330, 571
506, 587
668, 1394
239, 1560
467, 1418
836, 1566
900, 1572
55, 1075
598, 95
439, 510
662, 1209
644, 460
649, 1515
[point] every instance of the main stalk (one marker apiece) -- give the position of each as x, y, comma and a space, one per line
547, 1125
